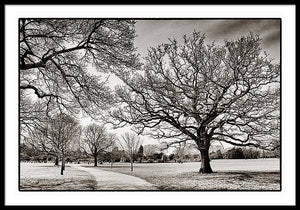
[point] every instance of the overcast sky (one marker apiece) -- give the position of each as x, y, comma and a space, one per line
154, 32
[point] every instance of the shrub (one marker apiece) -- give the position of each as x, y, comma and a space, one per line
235, 153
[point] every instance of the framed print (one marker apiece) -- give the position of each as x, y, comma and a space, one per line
119, 107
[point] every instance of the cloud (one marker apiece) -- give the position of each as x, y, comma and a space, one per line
271, 38
154, 32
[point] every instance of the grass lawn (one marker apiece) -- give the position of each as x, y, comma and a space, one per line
46, 176
261, 174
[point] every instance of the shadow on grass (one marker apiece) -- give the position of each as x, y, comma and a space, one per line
218, 181
57, 184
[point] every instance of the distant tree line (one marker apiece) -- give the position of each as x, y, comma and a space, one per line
28, 153
244, 153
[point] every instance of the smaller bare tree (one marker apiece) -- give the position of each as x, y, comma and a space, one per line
180, 151
38, 141
56, 136
64, 129
130, 145
96, 140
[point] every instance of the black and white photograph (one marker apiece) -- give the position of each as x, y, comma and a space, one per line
149, 104
105, 104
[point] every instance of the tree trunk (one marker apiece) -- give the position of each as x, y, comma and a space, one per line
131, 164
56, 161
63, 163
111, 162
62, 166
95, 160
205, 162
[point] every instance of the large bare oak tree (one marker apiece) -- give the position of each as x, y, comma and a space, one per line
204, 93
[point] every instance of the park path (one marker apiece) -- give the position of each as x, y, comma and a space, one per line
107, 180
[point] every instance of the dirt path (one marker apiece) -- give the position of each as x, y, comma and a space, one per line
107, 180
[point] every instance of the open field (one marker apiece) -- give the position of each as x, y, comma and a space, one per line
46, 176
255, 174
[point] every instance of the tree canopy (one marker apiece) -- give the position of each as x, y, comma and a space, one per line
56, 59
